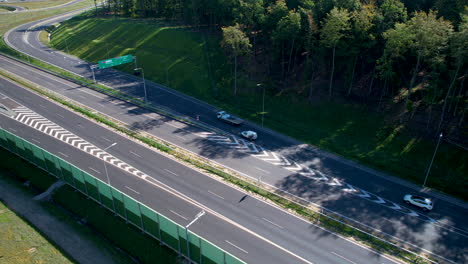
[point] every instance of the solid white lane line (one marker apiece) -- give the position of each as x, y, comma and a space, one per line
35, 140
241, 249
178, 214
61, 115
65, 155
171, 172
216, 194
131, 189
135, 154
107, 139
262, 170
94, 170
275, 224
338, 255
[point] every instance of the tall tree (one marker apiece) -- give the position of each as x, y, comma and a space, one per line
362, 36
425, 36
287, 31
236, 43
460, 56
334, 28
392, 12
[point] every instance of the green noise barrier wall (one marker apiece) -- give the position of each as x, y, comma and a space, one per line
148, 220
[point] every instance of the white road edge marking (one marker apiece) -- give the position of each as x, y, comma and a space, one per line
94, 170
262, 170
243, 250
135, 154
338, 255
131, 189
65, 155
173, 173
216, 194
275, 224
178, 215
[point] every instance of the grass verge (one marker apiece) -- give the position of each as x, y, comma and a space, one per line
300, 209
41, 4
21, 243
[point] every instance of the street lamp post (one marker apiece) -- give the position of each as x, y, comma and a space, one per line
200, 214
144, 82
107, 174
432, 160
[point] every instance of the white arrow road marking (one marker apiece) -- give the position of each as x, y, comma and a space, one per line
413, 213
274, 158
296, 167
335, 182
350, 188
395, 206
263, 154
364, 194
379, 200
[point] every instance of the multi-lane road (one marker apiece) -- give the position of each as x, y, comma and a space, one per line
356, 193
248, 228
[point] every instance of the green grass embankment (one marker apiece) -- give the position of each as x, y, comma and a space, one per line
21, 243
181, 58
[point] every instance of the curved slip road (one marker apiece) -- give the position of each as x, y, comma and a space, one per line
358, 194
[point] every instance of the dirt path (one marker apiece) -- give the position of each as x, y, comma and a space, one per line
74, 243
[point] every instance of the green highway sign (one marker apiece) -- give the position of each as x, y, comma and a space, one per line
115, 61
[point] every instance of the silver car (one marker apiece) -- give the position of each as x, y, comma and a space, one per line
419, 201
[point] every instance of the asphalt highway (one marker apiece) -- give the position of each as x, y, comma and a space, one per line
357, 193
249, 228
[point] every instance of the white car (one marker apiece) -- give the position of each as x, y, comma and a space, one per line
419, 201
250, 135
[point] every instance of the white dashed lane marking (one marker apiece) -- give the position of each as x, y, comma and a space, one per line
219, 196
173, 173
94, 170
239, 248
275, 224
181, 216
133, 153
338, 255
131, 189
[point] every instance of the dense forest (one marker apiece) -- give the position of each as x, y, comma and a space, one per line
409, 55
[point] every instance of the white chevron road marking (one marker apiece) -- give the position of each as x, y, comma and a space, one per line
364, 194
38, 122
379, 200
